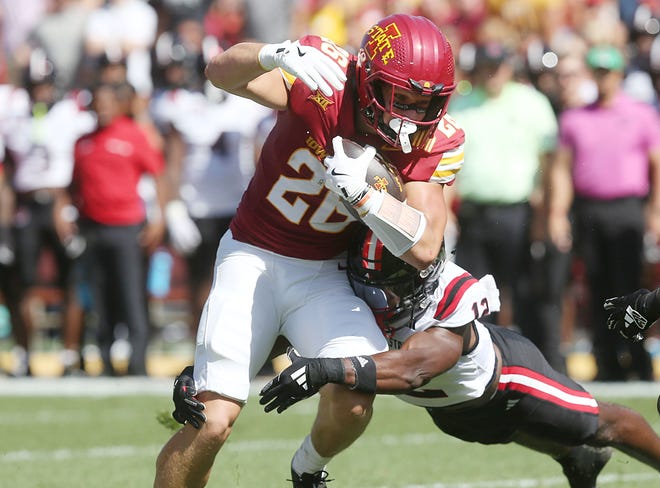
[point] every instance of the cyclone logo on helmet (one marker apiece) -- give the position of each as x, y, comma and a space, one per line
379, 42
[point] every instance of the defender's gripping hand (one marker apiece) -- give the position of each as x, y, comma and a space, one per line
187, 409
629, 314
301, 380
306, 63
346, 176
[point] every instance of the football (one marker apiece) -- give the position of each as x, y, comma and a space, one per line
381, 175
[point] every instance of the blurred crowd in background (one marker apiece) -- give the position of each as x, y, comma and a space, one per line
136, 273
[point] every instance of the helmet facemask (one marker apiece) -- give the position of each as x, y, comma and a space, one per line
393, 302
396, 292
402, 130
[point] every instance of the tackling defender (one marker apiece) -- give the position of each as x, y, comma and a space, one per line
279, 269
478, 382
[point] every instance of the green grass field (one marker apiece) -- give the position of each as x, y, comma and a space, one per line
112, 440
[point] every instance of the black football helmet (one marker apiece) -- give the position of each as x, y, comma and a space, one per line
396, 292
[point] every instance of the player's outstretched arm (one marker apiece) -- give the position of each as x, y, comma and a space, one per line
237, 70
310, 65
423, 356
250, 70
632, 314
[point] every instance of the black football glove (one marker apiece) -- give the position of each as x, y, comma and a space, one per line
629, 314
187, 409
301, 380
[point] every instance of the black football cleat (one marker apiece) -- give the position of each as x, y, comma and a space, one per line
582, 466
309, 480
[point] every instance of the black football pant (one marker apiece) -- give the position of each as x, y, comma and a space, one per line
115, 265
494, 239
609, 237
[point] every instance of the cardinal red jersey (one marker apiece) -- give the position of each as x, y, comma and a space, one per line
286, 207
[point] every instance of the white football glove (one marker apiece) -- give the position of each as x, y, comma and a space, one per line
184, 234
346, 176
306, 63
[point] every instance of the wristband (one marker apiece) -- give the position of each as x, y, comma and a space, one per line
325, 370
266, 55
331, 370
365, 374
651, 306
359, 195
369, 201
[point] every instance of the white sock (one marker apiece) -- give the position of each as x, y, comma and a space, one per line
307, 460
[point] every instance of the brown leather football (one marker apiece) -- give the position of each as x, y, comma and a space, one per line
381, 175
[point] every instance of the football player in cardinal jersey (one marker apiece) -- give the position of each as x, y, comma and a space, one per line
280, 267
478, 382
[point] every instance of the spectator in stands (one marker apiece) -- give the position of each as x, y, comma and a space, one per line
512, 131
110, 69
327, 18
60, 33
209, 153
108, 164
575, 84
124, 28
11, 99
13, 102
18, 21
8, 292
607, 175
225, 21
551, 267
263, 26
40, 148
188, 47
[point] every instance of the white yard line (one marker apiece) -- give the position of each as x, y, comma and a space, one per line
102, 452
127, 451
30, 455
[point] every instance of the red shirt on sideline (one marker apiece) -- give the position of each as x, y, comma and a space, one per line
108, 165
